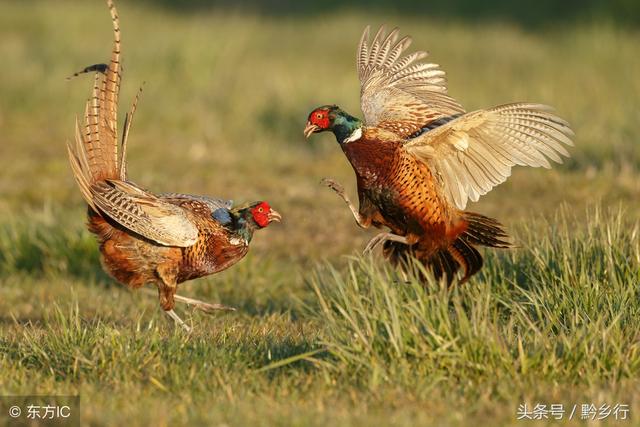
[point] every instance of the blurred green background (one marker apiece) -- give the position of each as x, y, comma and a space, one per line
229, 86
227, 89
526, 13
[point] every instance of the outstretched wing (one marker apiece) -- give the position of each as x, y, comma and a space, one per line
144, 213
475, 152
398, 92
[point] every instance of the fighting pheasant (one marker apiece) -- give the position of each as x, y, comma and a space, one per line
419, 157
146, 238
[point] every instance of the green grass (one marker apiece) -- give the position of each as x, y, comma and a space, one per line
554, 321
321, 336
558, 307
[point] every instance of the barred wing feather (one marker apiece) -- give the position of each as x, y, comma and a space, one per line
398, 92
144, 213
475, 152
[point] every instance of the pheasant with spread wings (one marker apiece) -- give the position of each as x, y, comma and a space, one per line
146, 238
419, 157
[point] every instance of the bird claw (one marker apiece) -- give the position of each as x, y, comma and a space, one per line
373, 243
333, 185
203, 306
179, 321
339, 189
381, 238
210, 308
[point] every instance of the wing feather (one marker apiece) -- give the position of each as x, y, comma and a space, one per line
144, 213
363, 53
475, 152
399, 93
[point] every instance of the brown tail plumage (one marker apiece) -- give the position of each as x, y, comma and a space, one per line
94, 157
445, 262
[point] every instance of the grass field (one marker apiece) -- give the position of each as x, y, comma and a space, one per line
321, 336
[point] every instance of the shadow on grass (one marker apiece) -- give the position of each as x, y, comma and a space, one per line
68, 348
37, 249
44, 249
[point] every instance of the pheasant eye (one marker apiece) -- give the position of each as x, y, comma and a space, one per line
319, 116
260, 210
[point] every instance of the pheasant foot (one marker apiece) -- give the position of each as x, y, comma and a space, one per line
200, 305
203, 306
178, 320
381, 238
339, 189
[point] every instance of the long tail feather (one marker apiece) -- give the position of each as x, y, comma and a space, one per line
100, 68
485, 231
125, 136
94, 157
109, 92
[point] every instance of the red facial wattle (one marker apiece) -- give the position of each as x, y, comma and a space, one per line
320, 118
261, 214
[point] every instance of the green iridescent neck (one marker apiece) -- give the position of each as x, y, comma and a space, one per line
344, 125
245, 224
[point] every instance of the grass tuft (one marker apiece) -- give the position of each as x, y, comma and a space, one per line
563, 308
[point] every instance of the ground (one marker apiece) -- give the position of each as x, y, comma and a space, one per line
321, 335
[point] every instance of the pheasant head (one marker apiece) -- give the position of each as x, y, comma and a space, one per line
248, 218
260, 214
344, 126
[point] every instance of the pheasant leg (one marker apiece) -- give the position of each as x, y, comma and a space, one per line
381, 238
201, 305
339, 189
178, 320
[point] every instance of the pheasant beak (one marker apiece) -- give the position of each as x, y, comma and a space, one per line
309, 129
274, 216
